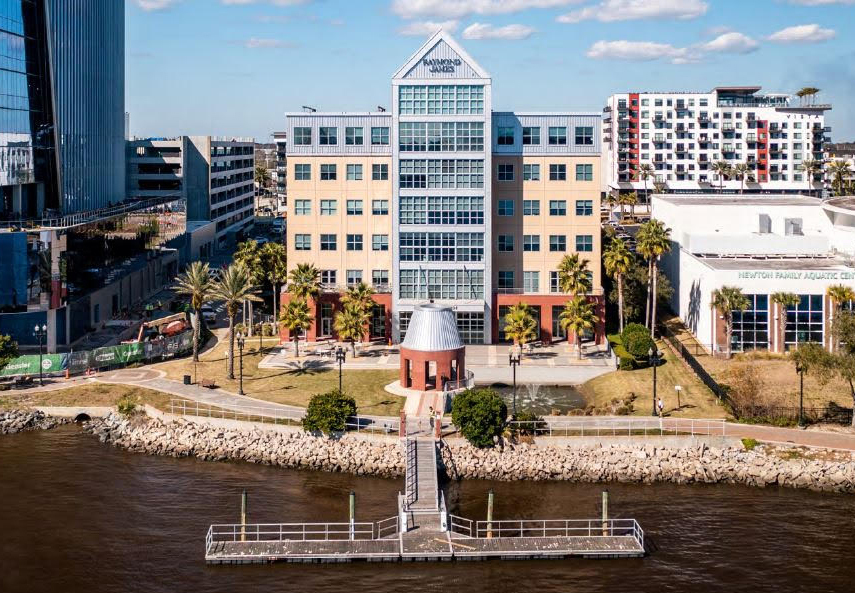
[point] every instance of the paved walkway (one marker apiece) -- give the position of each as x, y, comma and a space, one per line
793, 436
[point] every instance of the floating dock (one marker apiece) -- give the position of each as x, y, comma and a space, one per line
422, 530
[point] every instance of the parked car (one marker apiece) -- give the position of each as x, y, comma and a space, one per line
208, 314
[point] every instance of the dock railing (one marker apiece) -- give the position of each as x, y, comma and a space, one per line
546, 528
465, 382
624, 427
411, 487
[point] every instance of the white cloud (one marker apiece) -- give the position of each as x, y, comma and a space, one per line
152, 5
812, 33
733, 42
260, 43
719, 30
450, 9
640, 51
425, 28
630, 10
486, 31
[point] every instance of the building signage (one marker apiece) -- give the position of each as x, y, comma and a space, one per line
791, 275
442, 64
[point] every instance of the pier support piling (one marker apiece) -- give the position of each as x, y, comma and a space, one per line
243, 516
605, 513
490, 514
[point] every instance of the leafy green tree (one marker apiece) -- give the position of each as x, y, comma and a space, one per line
350, 323
234, 287
304, 281
577, 317
8, 350
479, 415
618, 260
635, 291
727, 300
843, 360
297, 318
328, 412
196, 284
520, 324
637, 341
654, 240
573, 275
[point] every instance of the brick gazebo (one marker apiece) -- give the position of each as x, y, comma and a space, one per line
432, 351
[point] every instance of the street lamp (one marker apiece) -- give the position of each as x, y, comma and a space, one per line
340, 355
240, 342
801, 371
514, 358
654, 360
40, 332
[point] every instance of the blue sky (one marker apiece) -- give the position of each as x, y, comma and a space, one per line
234, 67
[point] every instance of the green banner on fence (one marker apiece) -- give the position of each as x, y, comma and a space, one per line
29, 365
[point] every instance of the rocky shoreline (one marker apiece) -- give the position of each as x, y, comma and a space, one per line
640, 462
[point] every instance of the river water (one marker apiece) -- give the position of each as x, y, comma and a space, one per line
77, 515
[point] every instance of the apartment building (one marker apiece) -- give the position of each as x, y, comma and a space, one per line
681, 134
443, 199
215, 176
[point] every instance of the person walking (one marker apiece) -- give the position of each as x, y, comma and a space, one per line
661, 406
431, 416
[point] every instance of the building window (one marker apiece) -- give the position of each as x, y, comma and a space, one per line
804, 321
354, 207
557, 135
302, 136
328, 173
531, 207
329, 207
584, 242
354, 172
557, 242
506, 279
531, 172
584, 207
302, 207
554, 282
531, 242
751, 327
379, 172
441, 210
380, 278
440, 99
506, 207
302, 242
380, 242
302, 172
441, 284
327, 136
470, 326
354, 242
328, 278
505, 172
380, 207
506, 136
380, 136
584, 172
328, 242
531, 136
354, 277
557, 207
506, 243
531, 282
557, 172
584, 135
353, 136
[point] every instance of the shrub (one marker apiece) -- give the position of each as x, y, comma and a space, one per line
749, 444
480, 415
267, 330
126, 405
328, 412
528, 422
626, 360
637, 342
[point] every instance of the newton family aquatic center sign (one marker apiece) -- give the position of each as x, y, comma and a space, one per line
796, 275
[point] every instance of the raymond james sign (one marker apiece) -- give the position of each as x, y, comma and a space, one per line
442, 64
792, 275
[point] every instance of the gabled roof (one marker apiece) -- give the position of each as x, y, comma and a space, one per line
439, 37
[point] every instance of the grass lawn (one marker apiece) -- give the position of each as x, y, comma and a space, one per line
290, 386
89, 394
696, 400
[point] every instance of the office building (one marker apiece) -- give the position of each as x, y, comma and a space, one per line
443, 199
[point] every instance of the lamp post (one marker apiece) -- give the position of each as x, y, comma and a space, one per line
340, 355
514, 358
801, 371
40, 332
241, 340
654, 360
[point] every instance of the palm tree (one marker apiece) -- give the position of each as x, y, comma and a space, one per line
628, 199
297, 318
742, 171
722, 169
784, 300
617, 261
726, 300
305, 281
275, 263
839, 172
350, 324
262, 177
660, 187
811, 167
520, 324
359, 295
248, 255
573, 275
654, 239
578, 317
234, 287
612, 201
839, 294
645, 172
196, 283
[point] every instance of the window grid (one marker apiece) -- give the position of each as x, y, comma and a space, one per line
439, 247
531, 135
354, 242
441, 210
531, 207
751, 327
531, 172
557, 172
441, 284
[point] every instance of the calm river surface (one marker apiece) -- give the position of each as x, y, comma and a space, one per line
77, 515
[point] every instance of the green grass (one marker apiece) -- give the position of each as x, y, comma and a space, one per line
90, 394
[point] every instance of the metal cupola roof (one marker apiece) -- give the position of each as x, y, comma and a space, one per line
432, 328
